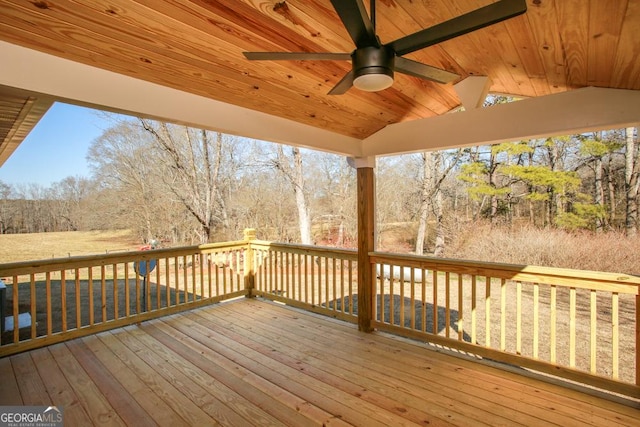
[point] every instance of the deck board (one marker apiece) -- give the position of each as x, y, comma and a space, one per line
117, 396
133, 388
31, 387
443, 370
194, 383
367, 377
153, 383
58, 388
261, 392
348, 376
9, 392
250, 362
93, 402
242, 356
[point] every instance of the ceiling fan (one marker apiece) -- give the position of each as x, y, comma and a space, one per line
374, 63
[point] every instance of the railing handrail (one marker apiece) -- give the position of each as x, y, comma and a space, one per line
451, 275
307, 249
611, 282
82, 295
82, 261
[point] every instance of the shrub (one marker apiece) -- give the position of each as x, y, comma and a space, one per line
583, 250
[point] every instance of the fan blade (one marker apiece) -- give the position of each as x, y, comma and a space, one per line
296, 56
463, 24
423, 71
355, 19
343, 85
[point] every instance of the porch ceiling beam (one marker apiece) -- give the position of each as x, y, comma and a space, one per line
567, 113
472, 91
93, 87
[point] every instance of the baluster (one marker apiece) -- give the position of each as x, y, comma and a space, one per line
401, 283
63, 301
593, 330
487, 309
32, 284
435, 302
447, 307
115, 291
503, 314
474, 313
572, 327
615, 336
536, 317
554, 318
460, 309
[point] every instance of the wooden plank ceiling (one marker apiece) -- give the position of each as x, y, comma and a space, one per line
20, 111
196, 46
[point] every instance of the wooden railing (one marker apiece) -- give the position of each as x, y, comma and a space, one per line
59, 299
579, 325
323, 280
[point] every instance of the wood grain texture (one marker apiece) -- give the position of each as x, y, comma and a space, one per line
196, 46
249, 362
366, 244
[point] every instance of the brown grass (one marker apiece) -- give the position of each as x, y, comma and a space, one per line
612, 252
36, 246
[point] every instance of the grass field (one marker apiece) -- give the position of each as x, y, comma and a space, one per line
35, 246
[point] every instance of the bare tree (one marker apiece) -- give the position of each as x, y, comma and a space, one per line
631, 181
68, 197
194, 160
6, 211
396, 197
291, 168
435, 170
124, 164
332, 182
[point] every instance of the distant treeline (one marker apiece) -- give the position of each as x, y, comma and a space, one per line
183, 186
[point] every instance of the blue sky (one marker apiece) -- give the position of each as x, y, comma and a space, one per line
56, 148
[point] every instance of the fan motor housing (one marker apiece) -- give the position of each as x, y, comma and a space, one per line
373, 60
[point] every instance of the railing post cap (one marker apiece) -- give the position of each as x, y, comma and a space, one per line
249, 234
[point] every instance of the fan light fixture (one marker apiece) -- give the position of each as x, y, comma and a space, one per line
373, 82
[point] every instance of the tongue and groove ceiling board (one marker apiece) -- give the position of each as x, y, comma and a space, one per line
196, 47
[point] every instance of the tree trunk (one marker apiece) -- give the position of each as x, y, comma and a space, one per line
301, 200
493, 216
294, 174
555, 204
599, 191
435, 170
611, 185
632, 168
423, 213
440, 231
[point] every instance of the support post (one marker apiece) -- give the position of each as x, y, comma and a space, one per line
249, 269
366, 240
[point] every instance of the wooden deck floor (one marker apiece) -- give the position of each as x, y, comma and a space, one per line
250, 362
